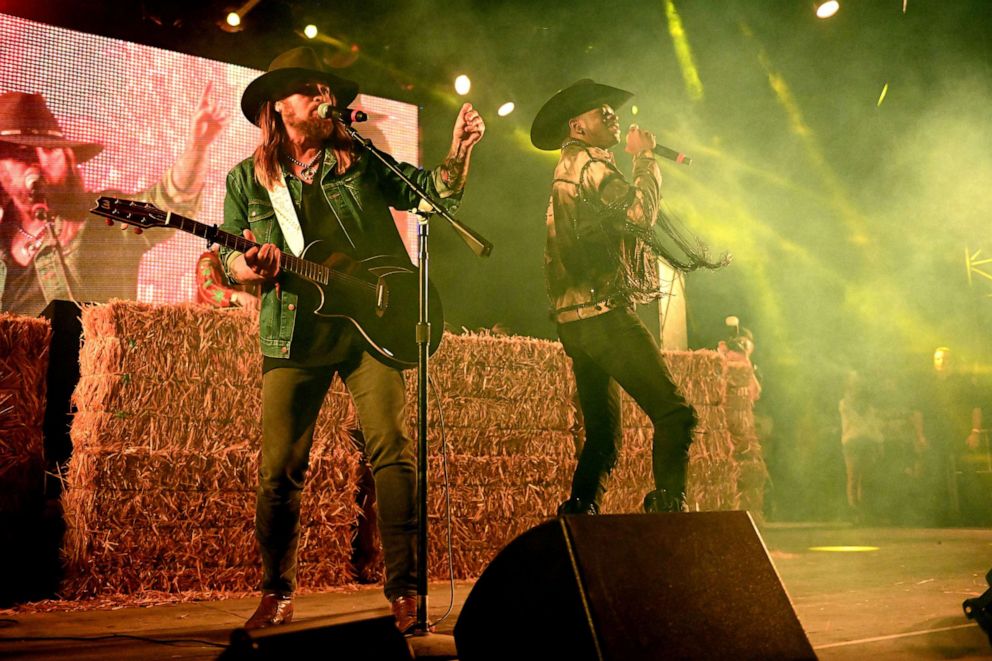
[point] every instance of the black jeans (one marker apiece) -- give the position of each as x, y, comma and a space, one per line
291, 400
611, 351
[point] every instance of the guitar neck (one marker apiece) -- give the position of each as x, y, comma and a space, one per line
296, 265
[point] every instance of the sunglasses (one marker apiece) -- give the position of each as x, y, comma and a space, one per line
313, 89
17, 152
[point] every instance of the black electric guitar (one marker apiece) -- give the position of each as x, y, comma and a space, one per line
379, 295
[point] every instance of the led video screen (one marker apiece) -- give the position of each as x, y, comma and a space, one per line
140, 104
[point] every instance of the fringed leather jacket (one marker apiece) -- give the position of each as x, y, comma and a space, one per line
596, 258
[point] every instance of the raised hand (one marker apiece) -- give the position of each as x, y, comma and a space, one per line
469, 127
208, 119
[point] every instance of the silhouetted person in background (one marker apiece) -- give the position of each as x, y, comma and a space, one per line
947, 419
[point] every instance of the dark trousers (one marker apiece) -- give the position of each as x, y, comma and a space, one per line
612, 351
291, 400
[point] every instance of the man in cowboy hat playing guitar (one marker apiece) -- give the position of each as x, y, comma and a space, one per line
305, 182
42, 194
598, 266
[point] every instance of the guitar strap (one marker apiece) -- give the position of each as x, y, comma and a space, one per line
285, 212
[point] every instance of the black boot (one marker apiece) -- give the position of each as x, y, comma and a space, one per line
661, 500
577, 506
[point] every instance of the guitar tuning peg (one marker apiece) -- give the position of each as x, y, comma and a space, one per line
109, 222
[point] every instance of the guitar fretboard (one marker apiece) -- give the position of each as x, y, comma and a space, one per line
301, 267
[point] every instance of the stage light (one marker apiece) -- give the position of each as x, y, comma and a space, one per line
634, 110
232, 22
827, 9
310, 31
881, 97
506, 109
463, 84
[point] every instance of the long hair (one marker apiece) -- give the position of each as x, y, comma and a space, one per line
266, 156
274, 141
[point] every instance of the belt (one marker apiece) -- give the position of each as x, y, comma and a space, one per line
586, 311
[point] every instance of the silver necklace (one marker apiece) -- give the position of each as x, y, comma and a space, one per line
35, 241
308, 170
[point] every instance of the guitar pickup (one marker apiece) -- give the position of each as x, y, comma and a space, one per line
381, 297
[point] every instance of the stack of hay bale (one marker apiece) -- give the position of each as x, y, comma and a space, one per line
509, 426
160, 492
26, 556
742, 393
24, 346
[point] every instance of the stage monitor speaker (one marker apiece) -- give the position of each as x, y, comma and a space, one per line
375, 639
632, 587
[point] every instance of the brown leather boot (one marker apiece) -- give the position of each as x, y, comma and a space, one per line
405, 612
274, 610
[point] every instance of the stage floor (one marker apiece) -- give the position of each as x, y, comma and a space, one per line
900, 601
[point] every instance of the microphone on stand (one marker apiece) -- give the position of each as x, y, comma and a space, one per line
672, 155
33, 183
346, 115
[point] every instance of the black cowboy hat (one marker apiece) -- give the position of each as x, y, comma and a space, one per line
550, 127
26, 120
293, 67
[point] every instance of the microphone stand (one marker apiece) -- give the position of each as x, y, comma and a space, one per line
39, 208
482, 248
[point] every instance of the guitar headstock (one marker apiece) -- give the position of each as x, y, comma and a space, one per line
140, 215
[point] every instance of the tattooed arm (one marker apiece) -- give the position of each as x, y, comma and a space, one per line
469, 129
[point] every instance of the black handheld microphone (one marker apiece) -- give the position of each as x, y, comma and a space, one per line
672, 155
346, 115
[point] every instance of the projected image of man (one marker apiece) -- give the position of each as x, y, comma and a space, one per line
50, 247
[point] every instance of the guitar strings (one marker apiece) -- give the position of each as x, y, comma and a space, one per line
324, 273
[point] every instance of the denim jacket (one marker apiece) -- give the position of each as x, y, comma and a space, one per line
595, 259
363, 195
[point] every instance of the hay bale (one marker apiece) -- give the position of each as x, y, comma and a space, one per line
161, 487
24, 346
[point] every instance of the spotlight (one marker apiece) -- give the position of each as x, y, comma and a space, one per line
827, 9
310, 31
633, 110
505, 109
463, 84
232, 22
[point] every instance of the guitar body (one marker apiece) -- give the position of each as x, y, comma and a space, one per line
379, 296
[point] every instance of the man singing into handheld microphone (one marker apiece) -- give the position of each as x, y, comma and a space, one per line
307, 181
48, 250
598, 266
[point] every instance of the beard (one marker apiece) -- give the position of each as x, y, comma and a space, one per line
65, 196
311, 127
